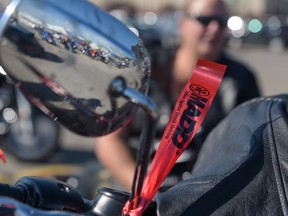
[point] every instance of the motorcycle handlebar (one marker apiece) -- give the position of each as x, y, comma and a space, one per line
52, 195
44, 193
10, 191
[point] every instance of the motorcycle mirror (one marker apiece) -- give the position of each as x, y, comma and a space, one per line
64, 55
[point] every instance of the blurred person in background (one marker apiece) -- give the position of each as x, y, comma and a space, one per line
203, 35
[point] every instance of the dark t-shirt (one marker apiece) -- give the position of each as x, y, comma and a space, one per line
239, 84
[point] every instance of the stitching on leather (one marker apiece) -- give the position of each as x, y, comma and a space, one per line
257, 100
275, 161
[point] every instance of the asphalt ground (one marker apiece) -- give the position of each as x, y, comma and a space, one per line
269, 66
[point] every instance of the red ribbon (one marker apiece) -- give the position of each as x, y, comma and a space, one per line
2, 156
187, 116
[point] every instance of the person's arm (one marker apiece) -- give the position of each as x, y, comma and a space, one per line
185, 58
114, 154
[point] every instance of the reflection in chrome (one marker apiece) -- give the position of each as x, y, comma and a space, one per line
78, 50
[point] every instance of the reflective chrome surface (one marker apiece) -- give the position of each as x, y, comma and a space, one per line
64, 55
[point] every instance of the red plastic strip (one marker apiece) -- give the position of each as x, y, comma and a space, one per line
2, 156
187, 116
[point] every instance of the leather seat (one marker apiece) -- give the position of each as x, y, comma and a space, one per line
242, 168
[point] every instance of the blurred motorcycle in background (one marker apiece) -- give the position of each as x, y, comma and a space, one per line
29, 134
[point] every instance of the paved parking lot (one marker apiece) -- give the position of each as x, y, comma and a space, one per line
270, 67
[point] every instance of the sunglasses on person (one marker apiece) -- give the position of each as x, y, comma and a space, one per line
206, 20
